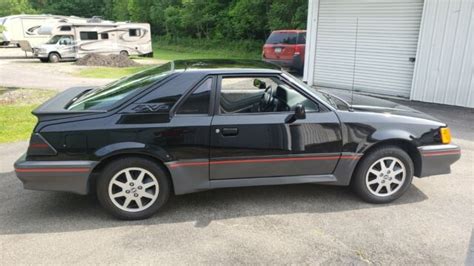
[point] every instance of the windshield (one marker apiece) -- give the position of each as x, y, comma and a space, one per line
103, 98
54, 39
327, 98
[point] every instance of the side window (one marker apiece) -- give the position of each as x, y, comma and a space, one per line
65, 40
198, 102
89, 35
134, 32
65, 28
104, 36
302, 38
260, 94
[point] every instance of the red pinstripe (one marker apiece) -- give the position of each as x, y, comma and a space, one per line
52, 170
313, 158
440, 153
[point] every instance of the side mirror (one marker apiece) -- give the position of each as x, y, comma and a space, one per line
300, 113
259, 84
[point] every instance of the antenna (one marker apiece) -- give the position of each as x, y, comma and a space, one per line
355, 58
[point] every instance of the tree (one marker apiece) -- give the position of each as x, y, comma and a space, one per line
13, 7
285, 14
172, 21
248, 19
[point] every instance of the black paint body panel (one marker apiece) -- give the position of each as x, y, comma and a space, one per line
262, 148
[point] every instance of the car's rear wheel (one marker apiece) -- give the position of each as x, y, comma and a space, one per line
133, 188
383, 175
54, 58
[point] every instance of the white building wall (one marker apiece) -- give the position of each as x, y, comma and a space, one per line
444, 69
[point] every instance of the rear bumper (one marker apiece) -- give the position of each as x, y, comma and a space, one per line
67, 176
294, 63
437, 159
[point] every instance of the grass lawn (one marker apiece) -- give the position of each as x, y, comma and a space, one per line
185, 48
16, 120
204, 49
109, 72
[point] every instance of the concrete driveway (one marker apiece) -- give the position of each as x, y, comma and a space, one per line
430, 224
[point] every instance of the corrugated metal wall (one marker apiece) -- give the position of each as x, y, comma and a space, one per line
368, 43
444, 69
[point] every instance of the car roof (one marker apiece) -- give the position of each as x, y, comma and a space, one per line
297, 31
224, 66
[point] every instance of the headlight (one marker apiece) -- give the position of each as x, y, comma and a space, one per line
445, 135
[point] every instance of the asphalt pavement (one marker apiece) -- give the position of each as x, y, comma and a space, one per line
298, 224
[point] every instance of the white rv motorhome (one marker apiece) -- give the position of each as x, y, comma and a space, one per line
71, 41
19, 28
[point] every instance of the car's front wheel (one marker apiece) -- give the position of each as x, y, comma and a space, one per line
54, 58
133, 188
383, 175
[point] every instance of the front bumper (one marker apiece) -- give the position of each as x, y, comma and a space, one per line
67, 176
437, 159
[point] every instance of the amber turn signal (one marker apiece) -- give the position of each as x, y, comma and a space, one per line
445, 134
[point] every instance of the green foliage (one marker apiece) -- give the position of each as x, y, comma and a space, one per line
12, 7
280, 18
167, 48
206, 19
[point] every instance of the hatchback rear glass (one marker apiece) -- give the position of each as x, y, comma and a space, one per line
104, 98
282, 38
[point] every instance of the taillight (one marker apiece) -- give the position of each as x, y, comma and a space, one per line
39, 146
445, 135
297, 50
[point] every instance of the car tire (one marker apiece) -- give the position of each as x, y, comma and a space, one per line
54, 58
375, 183
136, 195
124, 53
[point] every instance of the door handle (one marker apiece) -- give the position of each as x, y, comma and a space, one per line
229, 131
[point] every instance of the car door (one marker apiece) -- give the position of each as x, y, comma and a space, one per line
66, 47
251, 142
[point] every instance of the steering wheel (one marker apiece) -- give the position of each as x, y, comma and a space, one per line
266, 100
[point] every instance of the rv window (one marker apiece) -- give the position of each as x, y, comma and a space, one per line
89, 35
134, 32
65, 28
104, 36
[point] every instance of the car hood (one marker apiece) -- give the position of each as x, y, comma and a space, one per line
364, 103
45, 46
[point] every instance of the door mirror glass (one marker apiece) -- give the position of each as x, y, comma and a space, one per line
259, 84
300, 112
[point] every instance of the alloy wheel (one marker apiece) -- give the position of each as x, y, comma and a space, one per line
385, 176
133, 189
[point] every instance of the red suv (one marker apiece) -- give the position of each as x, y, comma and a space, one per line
286, 48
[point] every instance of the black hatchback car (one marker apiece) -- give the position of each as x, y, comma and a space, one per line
195, 125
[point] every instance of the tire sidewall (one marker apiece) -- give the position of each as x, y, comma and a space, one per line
54, 58
359, 182
116, 166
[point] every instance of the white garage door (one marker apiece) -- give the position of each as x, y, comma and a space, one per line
368, 44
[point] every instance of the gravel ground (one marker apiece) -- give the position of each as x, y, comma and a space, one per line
20, 72
298, 224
